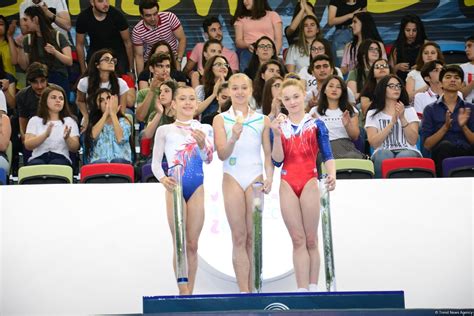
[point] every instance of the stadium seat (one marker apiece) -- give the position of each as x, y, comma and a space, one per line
408, 168
145, 147
147, 174
45, 174
107, 173
458, 166
353, 169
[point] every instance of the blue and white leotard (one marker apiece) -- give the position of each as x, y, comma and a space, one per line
180, 147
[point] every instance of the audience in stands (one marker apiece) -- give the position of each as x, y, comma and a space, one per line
8, 50
107, 138
340, 14
160, 66
266, 71
252, 20
223, 102
5, 133
407, 45
145, 77
380, 68
297, 55
340, 117
7, 84
264, 51
53, 132
100, 74
415, 82
391, 125
363, 28
271, 98
302, 10
468, 68
55, 10
210, 49
46, 45
448, 123
216, 72
107, 28
153, 27
430, 74
213, 31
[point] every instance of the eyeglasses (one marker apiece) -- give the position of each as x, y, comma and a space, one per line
262, 46
374, 49
381, 66
218, 64
109, 60
325, 66
318, 49
276, 85
395, 86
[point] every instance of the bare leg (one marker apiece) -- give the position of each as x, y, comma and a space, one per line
236, 211
310, 211
194, 223
293, 218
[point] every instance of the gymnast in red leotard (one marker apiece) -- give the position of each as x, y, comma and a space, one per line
296, 142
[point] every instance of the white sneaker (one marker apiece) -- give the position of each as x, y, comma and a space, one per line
313, 287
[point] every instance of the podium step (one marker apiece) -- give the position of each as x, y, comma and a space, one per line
274, 302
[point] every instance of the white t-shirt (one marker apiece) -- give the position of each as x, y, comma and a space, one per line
333, 121
59, 5
310, 79
396, 139
200, 93
422, 99
416, 75
3, 102
468, 69
297, 58
314, 89
84, 83
55, 142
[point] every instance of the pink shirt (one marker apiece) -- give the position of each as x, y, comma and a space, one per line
254, 29
231, 56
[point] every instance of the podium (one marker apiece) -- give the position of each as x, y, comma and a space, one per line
274, 302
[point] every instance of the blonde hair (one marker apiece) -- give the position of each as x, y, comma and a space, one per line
240, 76
293, 82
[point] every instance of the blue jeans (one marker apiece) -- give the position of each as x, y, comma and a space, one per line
340, 38
60, 79
49, 158
383, 154
244, 58
115, 160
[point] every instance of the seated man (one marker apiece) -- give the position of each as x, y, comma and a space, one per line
213, 30
468, 68
430, 74
447, 123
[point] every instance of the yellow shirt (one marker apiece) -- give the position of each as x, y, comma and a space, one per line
6, 57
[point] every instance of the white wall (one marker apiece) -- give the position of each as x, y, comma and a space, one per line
83, 249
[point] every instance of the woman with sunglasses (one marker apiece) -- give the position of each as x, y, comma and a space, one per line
100, 73
391, 125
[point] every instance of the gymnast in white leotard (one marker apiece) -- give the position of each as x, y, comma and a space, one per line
239, 135
188, 143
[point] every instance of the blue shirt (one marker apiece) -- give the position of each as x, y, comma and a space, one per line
106, 146
434, 117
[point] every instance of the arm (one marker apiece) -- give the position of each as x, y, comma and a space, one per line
179, 33
190, 64
99, 126
81, 104
32, 141
410, 129
463, 121
23, 59
9, 90
143, 107
376, 137
158, 152
64, 56
267, 150
352, 84
278, 30
127, 42
11, 42
118, 131
465, 90
365, 104
138, 52
81, 55
123, 101
23, 123
333, 20
239, 37
5, 132
224, 147
295, 22
61, 19
151, 127
72, 142
352, 125
277, 151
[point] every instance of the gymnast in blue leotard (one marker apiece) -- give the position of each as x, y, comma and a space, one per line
189, 143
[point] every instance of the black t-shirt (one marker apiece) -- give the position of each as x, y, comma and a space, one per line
179, 76
105, 33
27, 102
343, 8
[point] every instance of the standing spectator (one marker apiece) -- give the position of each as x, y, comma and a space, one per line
468, 68
407, 45
5, 133
55, 10
44, 44
107, 28
391, 125
52, 133
8, 51
213, 30
252, 20
7, 85
415, 82
100, 74
153, 27
298, 53
340, 15
363, 28
448, 123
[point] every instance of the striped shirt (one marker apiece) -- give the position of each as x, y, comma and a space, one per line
143, 35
